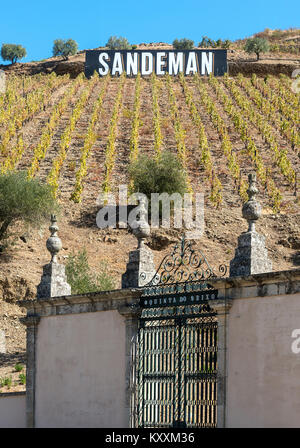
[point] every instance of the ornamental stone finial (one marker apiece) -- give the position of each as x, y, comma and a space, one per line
251, 256
53, 243
140, 268
141, 228
251, 209
54, 280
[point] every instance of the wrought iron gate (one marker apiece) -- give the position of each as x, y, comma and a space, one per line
176, 351
177, 369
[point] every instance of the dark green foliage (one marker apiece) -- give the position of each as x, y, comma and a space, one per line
6, 381
183, 44
22, 378
24, 200
12, 52
226, 44
65, 48
164, 174
18, 367
257, 45
206, 42
82, 279
118, 43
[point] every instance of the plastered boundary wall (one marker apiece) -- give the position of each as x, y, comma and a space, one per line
78, 360
79, 371
13, 410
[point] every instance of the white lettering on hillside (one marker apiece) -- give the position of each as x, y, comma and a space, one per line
147, 64
132, 64
207, 63
191, 65
103, 71
117, 65
159, 62
175, 63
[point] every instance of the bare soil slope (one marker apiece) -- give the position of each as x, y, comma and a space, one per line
21, 266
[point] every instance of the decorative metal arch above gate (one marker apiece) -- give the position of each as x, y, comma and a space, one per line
176, 349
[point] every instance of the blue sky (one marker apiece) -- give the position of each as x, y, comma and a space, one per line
35, 24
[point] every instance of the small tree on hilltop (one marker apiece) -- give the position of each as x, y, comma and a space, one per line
12, 52
257, 45
64, 48
226, 44
206, 42
118, 43
183, 44
23, 200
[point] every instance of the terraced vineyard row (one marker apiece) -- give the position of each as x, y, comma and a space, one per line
80, 135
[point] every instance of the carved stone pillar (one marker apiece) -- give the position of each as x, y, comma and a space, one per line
131, 314
31, 339
54, 281
140, 269
222, 307
251, 256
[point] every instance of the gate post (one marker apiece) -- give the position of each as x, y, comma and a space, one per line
132, 314
222, 308
31, 340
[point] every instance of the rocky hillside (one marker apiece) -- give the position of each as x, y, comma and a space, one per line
284, 57
246, 111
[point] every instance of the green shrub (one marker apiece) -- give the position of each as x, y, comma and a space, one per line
206, 42
163, 174
22, 378
183, 44
12, 52
226, 44
82, 279
18, 367
65, 48
23, 200
118, 43
7, 381
257, 45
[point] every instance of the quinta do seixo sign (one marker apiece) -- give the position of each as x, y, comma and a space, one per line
160, 62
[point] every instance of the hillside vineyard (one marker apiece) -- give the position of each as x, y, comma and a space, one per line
79, 135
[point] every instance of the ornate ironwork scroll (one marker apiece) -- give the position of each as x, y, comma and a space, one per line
184, 264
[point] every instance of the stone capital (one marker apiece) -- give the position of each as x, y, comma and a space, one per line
222, 306
130, 311
30, 321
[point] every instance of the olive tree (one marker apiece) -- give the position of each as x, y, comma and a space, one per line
12, 52
183, 44
163, 174
118, 43
65, 48
23, 200
257, 45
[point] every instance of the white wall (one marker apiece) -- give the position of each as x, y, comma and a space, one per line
13, 410
80, 371
263, 372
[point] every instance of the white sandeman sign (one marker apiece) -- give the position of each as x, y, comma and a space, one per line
203, 62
